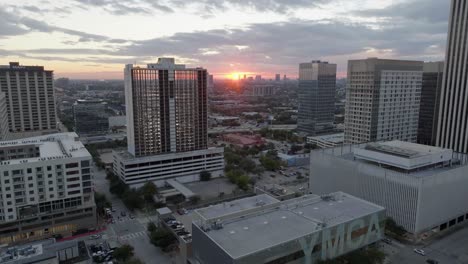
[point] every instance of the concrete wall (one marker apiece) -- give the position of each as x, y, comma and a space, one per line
206, 250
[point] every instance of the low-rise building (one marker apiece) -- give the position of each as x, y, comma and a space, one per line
46, 188
185, 166
261, 229
327, 141
423, 188
244, 140
47, 252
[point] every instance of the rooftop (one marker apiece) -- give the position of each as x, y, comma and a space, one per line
403, 155
42, 251
55, 146
265, 226
334, 138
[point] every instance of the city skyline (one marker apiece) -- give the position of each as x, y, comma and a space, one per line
263, 37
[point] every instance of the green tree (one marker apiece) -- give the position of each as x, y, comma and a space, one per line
243, 182
132, 199
393, 227
162, 238
123, 253
205, 176
148, 190
248, 165
151, 227
101, 202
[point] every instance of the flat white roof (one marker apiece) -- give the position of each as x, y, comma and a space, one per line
259, 227
404, 155
334, 138
54, 146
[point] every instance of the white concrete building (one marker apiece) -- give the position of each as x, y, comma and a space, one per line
423, 188
185, 166
46, 188
327, 141
382, 100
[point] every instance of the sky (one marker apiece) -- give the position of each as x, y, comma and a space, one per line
94, 39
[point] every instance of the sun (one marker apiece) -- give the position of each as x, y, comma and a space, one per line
235, 76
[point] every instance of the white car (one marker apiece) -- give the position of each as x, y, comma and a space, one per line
420, 252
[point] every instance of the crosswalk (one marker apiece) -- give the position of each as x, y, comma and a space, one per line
133, 235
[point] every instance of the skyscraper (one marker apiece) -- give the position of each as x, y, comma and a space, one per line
166, 125
382, 100
210, 85
278, 77
317, 84
166, 108
90, 117
452, 130
3, 117
29, 92
430, 99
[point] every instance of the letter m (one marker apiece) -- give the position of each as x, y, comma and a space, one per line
331, 244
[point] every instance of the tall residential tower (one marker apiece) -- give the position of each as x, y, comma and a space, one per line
382, 100
317, 85
29, 92
3, 117
452, 127
167, 128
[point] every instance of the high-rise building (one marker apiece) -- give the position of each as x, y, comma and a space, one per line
3, 117
452, 130
166, 108
46, 188
430, 99
278, 77
29, 92
210, 85
317, 84
382, 100
166, 124
258, 77
90, 117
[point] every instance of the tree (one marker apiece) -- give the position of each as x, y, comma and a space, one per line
134, 261
295, 148
195, 199
205, 176
151, 227
243, 182
270, 163
101, 201
393, 227
123, 253
162, 238
132, 199
248, 165
149, 190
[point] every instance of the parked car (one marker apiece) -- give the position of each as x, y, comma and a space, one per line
387, 241
123, 213
95, 236
420, 252
182, 211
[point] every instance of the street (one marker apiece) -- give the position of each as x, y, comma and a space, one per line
126, 230
450, 249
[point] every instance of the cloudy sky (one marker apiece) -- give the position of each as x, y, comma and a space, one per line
95, 38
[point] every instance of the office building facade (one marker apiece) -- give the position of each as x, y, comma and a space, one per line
262, 229
29, 92
317, 88
90, 117
452, 127
46, 188
423, 188
166, 117
430, 100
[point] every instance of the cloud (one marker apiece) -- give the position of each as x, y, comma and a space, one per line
433, 11
127, 7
